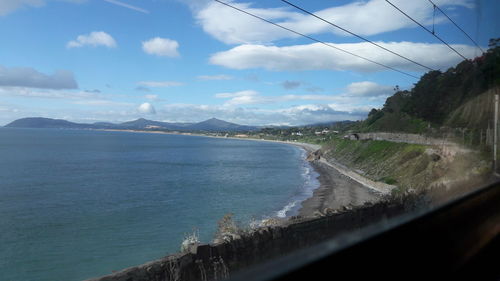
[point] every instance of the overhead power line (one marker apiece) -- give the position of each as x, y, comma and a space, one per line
354, 34
433, 33
437, 7
316, 40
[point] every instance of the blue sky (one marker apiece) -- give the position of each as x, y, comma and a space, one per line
187, 61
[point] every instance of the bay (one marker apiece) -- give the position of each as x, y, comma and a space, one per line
77, 204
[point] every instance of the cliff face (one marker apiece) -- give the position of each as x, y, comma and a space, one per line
217, 261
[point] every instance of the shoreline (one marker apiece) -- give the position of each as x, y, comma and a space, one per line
309, 147
336, 192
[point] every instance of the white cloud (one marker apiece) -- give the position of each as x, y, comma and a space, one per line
31, 78
368, 89
128, 6
159, 84
289, 85
361, 17
354, 94
101, 102
162, 47
296, 115
89, 98
94, 39
8, 6
246, 93
142, 89
153, 97
146, 108
317, 56
46, 94
251, 97
215, 77
243, 97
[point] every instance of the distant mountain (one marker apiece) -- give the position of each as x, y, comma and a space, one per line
142, 123
39, 122
102, 125
215, 124
210, 125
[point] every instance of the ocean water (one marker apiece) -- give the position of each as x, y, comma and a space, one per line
76, 204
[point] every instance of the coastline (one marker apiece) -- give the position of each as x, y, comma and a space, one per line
309, 147
336, 192
339, 187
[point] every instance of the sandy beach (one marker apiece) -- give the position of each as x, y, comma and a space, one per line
336, 190
339, 186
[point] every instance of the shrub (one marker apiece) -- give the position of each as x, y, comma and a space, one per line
190, 242
227, 229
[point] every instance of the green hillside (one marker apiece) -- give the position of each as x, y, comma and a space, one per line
475, 113
452, 98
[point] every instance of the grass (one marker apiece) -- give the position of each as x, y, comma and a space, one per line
389, 162
374, 150
388, 180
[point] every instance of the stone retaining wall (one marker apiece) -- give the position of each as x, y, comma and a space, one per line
217, 261
402, 137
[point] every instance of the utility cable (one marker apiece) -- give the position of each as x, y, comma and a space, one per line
437, 7
316, 40
426, 29
354, 34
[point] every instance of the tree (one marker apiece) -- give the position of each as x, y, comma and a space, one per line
493, 43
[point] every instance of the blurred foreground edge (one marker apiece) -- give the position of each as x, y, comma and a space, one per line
459, 240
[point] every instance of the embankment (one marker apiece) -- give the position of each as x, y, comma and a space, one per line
216, 261
407, 166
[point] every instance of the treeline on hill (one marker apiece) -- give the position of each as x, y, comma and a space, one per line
309, 133
456, 98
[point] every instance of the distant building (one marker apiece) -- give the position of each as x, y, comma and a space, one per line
153, 127
241, 136
297, 134
324, 132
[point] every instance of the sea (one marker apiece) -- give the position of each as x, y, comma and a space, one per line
77, 204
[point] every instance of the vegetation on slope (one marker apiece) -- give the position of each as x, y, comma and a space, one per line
437, 95
409, 166
475, 113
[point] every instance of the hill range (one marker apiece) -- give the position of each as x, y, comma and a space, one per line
210, 125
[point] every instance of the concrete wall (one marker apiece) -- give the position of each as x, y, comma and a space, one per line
216, 261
